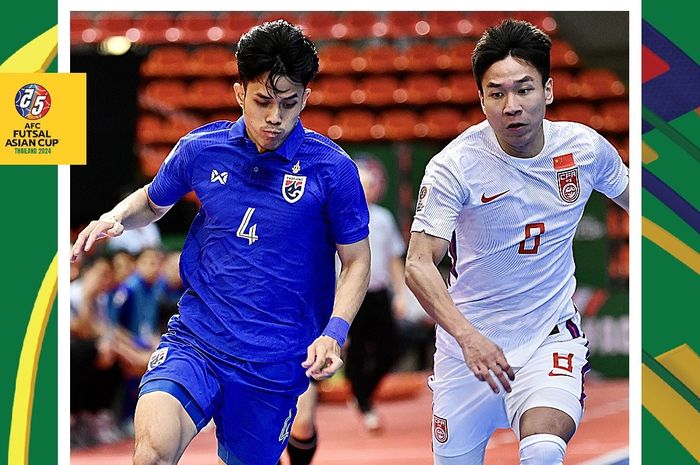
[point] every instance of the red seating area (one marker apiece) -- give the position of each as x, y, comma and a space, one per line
383, 76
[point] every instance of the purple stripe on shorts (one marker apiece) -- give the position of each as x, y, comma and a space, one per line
584, 369
573, 329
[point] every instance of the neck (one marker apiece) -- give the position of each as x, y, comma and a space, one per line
529, 149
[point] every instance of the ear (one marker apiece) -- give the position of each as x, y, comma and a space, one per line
239, 92
305, 97
549, 91
481, 102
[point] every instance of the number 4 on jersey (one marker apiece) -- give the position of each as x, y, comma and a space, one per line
250, 234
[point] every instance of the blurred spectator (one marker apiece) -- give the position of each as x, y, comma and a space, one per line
95, 374
134, 309
169, 289
373, 335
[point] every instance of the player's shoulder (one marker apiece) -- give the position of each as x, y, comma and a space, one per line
323, 150
571, 130
214, 131
466, 148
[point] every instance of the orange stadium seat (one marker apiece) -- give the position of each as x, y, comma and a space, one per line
166, 61
165, 94
423, 57
153, 28
462, 88
565, 85
360, 24
422, 89
114, 24
600, 84
481, 20
212, 61
317, 120
180, 124
149, 129
210, 94
402, 24
235, 24
398, 124
615, 116
336, 59
82, 29
562, 55
456, 57
448, 24
198, 28
541, 19
151, 157
381, 90
442, 123
289, 16
473, 116
623, 147
332, 91
579, 112
383, 59
319, 24
355, 126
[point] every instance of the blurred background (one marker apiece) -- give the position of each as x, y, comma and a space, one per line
396, 85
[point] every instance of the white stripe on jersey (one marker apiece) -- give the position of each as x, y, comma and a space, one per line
514, 221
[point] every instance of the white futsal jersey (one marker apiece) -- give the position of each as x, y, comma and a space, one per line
511, 222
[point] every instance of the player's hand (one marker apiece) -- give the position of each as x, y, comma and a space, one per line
486, 360
323, 358
96, 230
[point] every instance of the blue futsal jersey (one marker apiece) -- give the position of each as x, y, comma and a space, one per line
258, 261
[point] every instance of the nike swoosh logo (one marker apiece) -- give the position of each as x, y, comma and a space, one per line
485, 199
551, 373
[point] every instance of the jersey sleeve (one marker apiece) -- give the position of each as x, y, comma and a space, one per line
173, 178
612, 176
440, 198
348, 214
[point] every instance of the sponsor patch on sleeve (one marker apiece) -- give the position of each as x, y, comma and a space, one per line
157, 358
423, 196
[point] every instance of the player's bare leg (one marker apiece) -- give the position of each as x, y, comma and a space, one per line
544, 433
163, 429
302, 441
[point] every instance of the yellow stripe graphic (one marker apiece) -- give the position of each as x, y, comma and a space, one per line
648, 153
671, 244
36, 56
672, 411
18, 449
683, 363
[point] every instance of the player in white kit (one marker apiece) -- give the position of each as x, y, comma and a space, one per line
505, 198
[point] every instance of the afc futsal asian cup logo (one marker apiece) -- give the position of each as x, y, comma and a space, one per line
33, 101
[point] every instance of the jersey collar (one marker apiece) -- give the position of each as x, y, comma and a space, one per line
289, 147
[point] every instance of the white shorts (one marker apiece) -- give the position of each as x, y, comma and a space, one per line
466, 412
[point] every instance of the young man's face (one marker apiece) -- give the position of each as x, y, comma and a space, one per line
514, 101
269, 116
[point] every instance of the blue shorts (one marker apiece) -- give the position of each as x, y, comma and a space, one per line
253, 404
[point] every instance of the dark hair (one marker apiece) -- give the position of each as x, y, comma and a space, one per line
280, 48
515, 38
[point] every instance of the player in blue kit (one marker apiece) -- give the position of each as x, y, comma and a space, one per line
261, 313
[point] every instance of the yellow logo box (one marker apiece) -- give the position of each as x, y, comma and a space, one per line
42, 119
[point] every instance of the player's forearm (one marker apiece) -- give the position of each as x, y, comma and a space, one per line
135, 211
351, 288
424, 280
